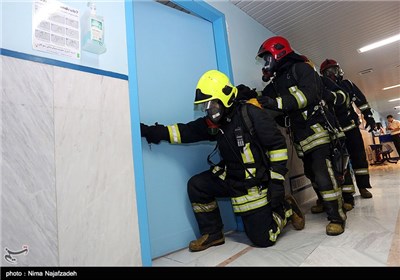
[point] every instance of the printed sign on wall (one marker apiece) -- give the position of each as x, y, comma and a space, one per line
56, 28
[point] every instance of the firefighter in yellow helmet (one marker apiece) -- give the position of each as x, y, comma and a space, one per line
252, 167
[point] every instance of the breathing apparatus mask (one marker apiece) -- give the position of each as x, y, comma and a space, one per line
269, 65
214, 112
335, 73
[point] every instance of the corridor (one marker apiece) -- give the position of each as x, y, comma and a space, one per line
372, 236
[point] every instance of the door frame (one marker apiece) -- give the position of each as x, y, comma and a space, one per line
207, 12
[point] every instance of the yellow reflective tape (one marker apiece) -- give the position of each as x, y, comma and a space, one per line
348, 188
336, 193
364, 107
317, 128
304, 114
316, 143
250, 172
250, 205
315, 136
202, 208
278, 220
174, 134
288, 213
330, 196
334, 94
222, 175
274, 235
277, 176
252, 195
361, 171
338, 135
332, 175
299, 96
336, 189
349, 127
343, 94
278, 155
247, 155
279, 100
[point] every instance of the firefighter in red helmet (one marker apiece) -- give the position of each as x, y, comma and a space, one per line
295, 89
350, 122
252, 168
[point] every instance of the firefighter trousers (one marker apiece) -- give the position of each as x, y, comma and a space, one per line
261, 225
348, 189
318, 169
355, 147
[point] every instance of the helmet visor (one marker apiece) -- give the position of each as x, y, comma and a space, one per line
269, 66
213, 109
334, 71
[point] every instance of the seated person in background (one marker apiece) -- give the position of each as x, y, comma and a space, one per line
378, 129
394, 128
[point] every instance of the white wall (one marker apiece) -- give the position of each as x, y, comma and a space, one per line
67, 188
96, 200
245, 37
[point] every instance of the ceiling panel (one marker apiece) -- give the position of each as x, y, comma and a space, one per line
336, 29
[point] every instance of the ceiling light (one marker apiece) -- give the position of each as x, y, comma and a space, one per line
395, 86
366, 71
379, 43
393, 100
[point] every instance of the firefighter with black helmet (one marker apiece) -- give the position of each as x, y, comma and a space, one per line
349, 121
295, 88
252, 168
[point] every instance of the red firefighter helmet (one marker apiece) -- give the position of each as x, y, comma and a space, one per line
331, 69
327, 64
271, 52
278, 46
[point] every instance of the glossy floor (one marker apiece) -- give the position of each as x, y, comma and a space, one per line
372, 236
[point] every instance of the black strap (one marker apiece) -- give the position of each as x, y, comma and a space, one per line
248, 123
209, 161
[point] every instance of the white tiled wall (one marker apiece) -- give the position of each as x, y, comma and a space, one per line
28, 183
68, 187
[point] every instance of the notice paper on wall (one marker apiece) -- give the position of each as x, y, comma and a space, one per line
56, 28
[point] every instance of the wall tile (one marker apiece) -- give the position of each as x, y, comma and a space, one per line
28, 177
95, 186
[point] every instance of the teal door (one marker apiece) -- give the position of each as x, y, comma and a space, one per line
173, 49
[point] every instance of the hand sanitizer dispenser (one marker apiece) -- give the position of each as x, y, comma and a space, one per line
93, 31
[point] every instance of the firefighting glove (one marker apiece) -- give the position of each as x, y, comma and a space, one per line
268, 102
276, 194
245, 93
370, 123
154, 133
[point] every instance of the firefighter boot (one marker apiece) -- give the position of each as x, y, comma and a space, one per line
318, 208
348, 201
347, 206
335, 228
297, 218
365, 193
206, 241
